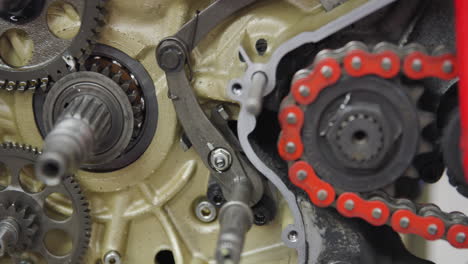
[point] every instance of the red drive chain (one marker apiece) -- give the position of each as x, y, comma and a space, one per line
355, 60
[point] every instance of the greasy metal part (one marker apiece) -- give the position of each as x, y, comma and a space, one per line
90, 121
112, 257
255, 97
9, 234
30, 207
50, 54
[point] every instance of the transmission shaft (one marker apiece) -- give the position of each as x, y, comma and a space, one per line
90, 122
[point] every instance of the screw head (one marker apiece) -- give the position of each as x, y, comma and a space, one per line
290, 147
386, 64
301, 175
461, 237
327, 71
205, 211
293, 236
447, 66
377, 213
432, 229
404, 222
291, 118
417, 65
304, 90
349, 205
356, 63
322, 195
220, 159
112, 257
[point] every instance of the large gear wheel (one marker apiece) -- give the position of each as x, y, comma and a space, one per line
47, 56
42, 211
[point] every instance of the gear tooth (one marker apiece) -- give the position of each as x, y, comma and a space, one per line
425, 147
426, 118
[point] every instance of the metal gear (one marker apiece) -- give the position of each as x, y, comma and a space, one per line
30, 209
52, 57
24, 223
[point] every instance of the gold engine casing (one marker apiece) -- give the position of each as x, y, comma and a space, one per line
148, 206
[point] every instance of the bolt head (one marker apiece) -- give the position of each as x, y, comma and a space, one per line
377, 213
322, 195
112, 257
356, 63
301, 175
327, 71
304, 90
205, 211
290, 147
220, 159
349, 205
291, 118
461, 237
404, 222
432, 229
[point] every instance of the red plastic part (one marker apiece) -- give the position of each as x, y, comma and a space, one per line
431, 66
312, 184
452, 236
461, 14
291, 133
363, 209
372, 64
316, 81
418, 225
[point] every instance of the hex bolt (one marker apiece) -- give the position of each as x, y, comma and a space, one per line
417, 65
112, 257
220, 159
304, 90
290, 147
291, 118
205, 211
349, 205
432, 229
356, 63
404, 222
327, 71
461, 237
322, 195
386, 63
447, 66
377, 213
301, 175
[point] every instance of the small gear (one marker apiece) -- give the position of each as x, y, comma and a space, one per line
28, 209
52, 57
360, 138
24, 219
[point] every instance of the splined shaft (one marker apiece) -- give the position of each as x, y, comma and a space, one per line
9, 234
77, 132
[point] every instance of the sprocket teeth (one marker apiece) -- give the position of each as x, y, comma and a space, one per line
425, 147
426, 118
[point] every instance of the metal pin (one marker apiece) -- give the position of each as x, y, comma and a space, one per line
356, 63
304, 91
386, 64
322, 195
290, 147
417, 65
432, 229
327, 71
301, 175
291, 118
349, 205
377, 213
447, 67
404, 222
461, 237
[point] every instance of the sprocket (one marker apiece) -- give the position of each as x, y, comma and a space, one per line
32, 209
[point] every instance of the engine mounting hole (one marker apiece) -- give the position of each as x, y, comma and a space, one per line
237, 89
261, 46
360, 137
